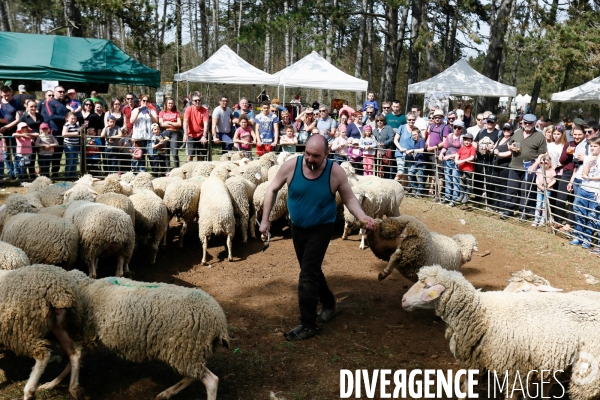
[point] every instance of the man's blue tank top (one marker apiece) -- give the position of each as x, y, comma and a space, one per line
310, 201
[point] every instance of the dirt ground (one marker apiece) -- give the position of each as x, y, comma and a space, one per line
258, 293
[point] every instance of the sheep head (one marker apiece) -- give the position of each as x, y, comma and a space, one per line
467, 244
433, 282
526, 281
17, 204
79, 192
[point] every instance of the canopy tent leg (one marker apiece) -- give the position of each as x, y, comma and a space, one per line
550, 112
284, 95
277, 91
253, 96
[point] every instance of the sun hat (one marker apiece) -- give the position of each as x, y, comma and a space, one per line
21, 126
438, 112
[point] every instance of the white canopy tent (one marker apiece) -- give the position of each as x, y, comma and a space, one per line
589, 92
314, 72
227, 67
462, 80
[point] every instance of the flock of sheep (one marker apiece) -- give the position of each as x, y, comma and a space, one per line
55, 225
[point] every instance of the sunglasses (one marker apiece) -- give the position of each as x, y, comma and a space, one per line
458, 128
386, 108
87, 104
49, 95
479, 119
323, 110
588, 132
128, 98
60, 91
451, 118
410, 120
507, 129
528, 123
196, 101
370, 113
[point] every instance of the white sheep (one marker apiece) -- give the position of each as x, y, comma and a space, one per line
12, 257
114, 184
151, 219
215, 212
406, 244
45, 238
257, 171
119, 201
377, 198
241, 192
518, 333
181, 199
279, 209
36, 301
103, 231
154, 321
52, 195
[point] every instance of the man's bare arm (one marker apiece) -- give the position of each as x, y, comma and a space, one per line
348, 197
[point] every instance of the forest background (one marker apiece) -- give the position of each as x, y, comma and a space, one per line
540, 46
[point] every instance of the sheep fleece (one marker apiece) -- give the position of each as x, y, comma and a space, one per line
12, 257
154, 321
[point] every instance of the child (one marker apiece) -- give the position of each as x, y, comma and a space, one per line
137, 156
158, 155
371, 102
464, 161
548, 179
92, 151
369, 145
340, 146
24, 136
46, 144
585, 205
289, 140
111, 134
125, 148
70, 133
244, 137
416, 159
355, 155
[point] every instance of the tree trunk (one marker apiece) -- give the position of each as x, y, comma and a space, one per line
239, 27
215, 23
452, 37
502, 65
382, 83
496, 47
204, 30
537, 85
370, 35
4, 20
331, 33
400, 42
178, 36
432, 60
360, 47
72, 18
267, 44
413, 57
287, 32
563, 83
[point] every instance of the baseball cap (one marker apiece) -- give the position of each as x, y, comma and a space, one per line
458, 122
21, 126
22, 88
578, 121
507, 126
529, 118
71, 91
111, 117
467, 136
492, 118
44, 125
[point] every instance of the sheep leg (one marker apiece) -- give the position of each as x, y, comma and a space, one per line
36, 373
229, 238
211, 382
346, 231
61, 334
204, 248
178, 387
362, 239
120, 262
56, 381
182, 232
390, 267
252, 223
244, 228
92, 268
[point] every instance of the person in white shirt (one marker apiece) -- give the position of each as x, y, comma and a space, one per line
474, 130
420, 122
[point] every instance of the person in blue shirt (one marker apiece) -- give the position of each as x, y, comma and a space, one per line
371, 102
416, 158
403, 141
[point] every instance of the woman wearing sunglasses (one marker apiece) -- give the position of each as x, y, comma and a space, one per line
142, 119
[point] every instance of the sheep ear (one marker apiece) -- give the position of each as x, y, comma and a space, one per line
544, 288
432, 293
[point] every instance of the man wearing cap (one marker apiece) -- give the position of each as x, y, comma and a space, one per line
526, 146
484, 144
23, 96
54, 112
10, 113
73, 104
438, 132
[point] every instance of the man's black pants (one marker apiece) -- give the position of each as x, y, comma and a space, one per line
310, 245
527, 188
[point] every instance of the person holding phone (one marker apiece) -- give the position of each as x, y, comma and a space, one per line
142, 119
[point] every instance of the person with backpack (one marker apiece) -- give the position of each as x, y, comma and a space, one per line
438, 132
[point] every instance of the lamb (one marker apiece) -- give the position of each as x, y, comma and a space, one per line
407, 245
151, 219
177, 173
12, 257
181, 199
128, 177
35, 301
103, 231
188, 167
154, 321
378, 199
45, 238
119, 201
215, 212
494, 330
39, 184
114, 184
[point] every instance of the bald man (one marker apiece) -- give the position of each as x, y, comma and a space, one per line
312, 181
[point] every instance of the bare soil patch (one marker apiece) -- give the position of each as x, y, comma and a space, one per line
258, 293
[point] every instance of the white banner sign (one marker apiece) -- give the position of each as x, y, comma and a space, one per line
49, 85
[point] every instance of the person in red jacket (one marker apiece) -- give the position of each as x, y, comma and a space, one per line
464, 162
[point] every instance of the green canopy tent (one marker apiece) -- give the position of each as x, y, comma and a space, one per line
61, 58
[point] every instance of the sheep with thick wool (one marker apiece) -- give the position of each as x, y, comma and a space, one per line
257, 171
200, 168
181, 199
407, 245
278, 210
518, 333
114, 184
103, 231
119, 201
36, 301
526, 281
378, 199
45, 238
52, 195
154, 321
241, 192
151, 219
12, 257
215, 213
